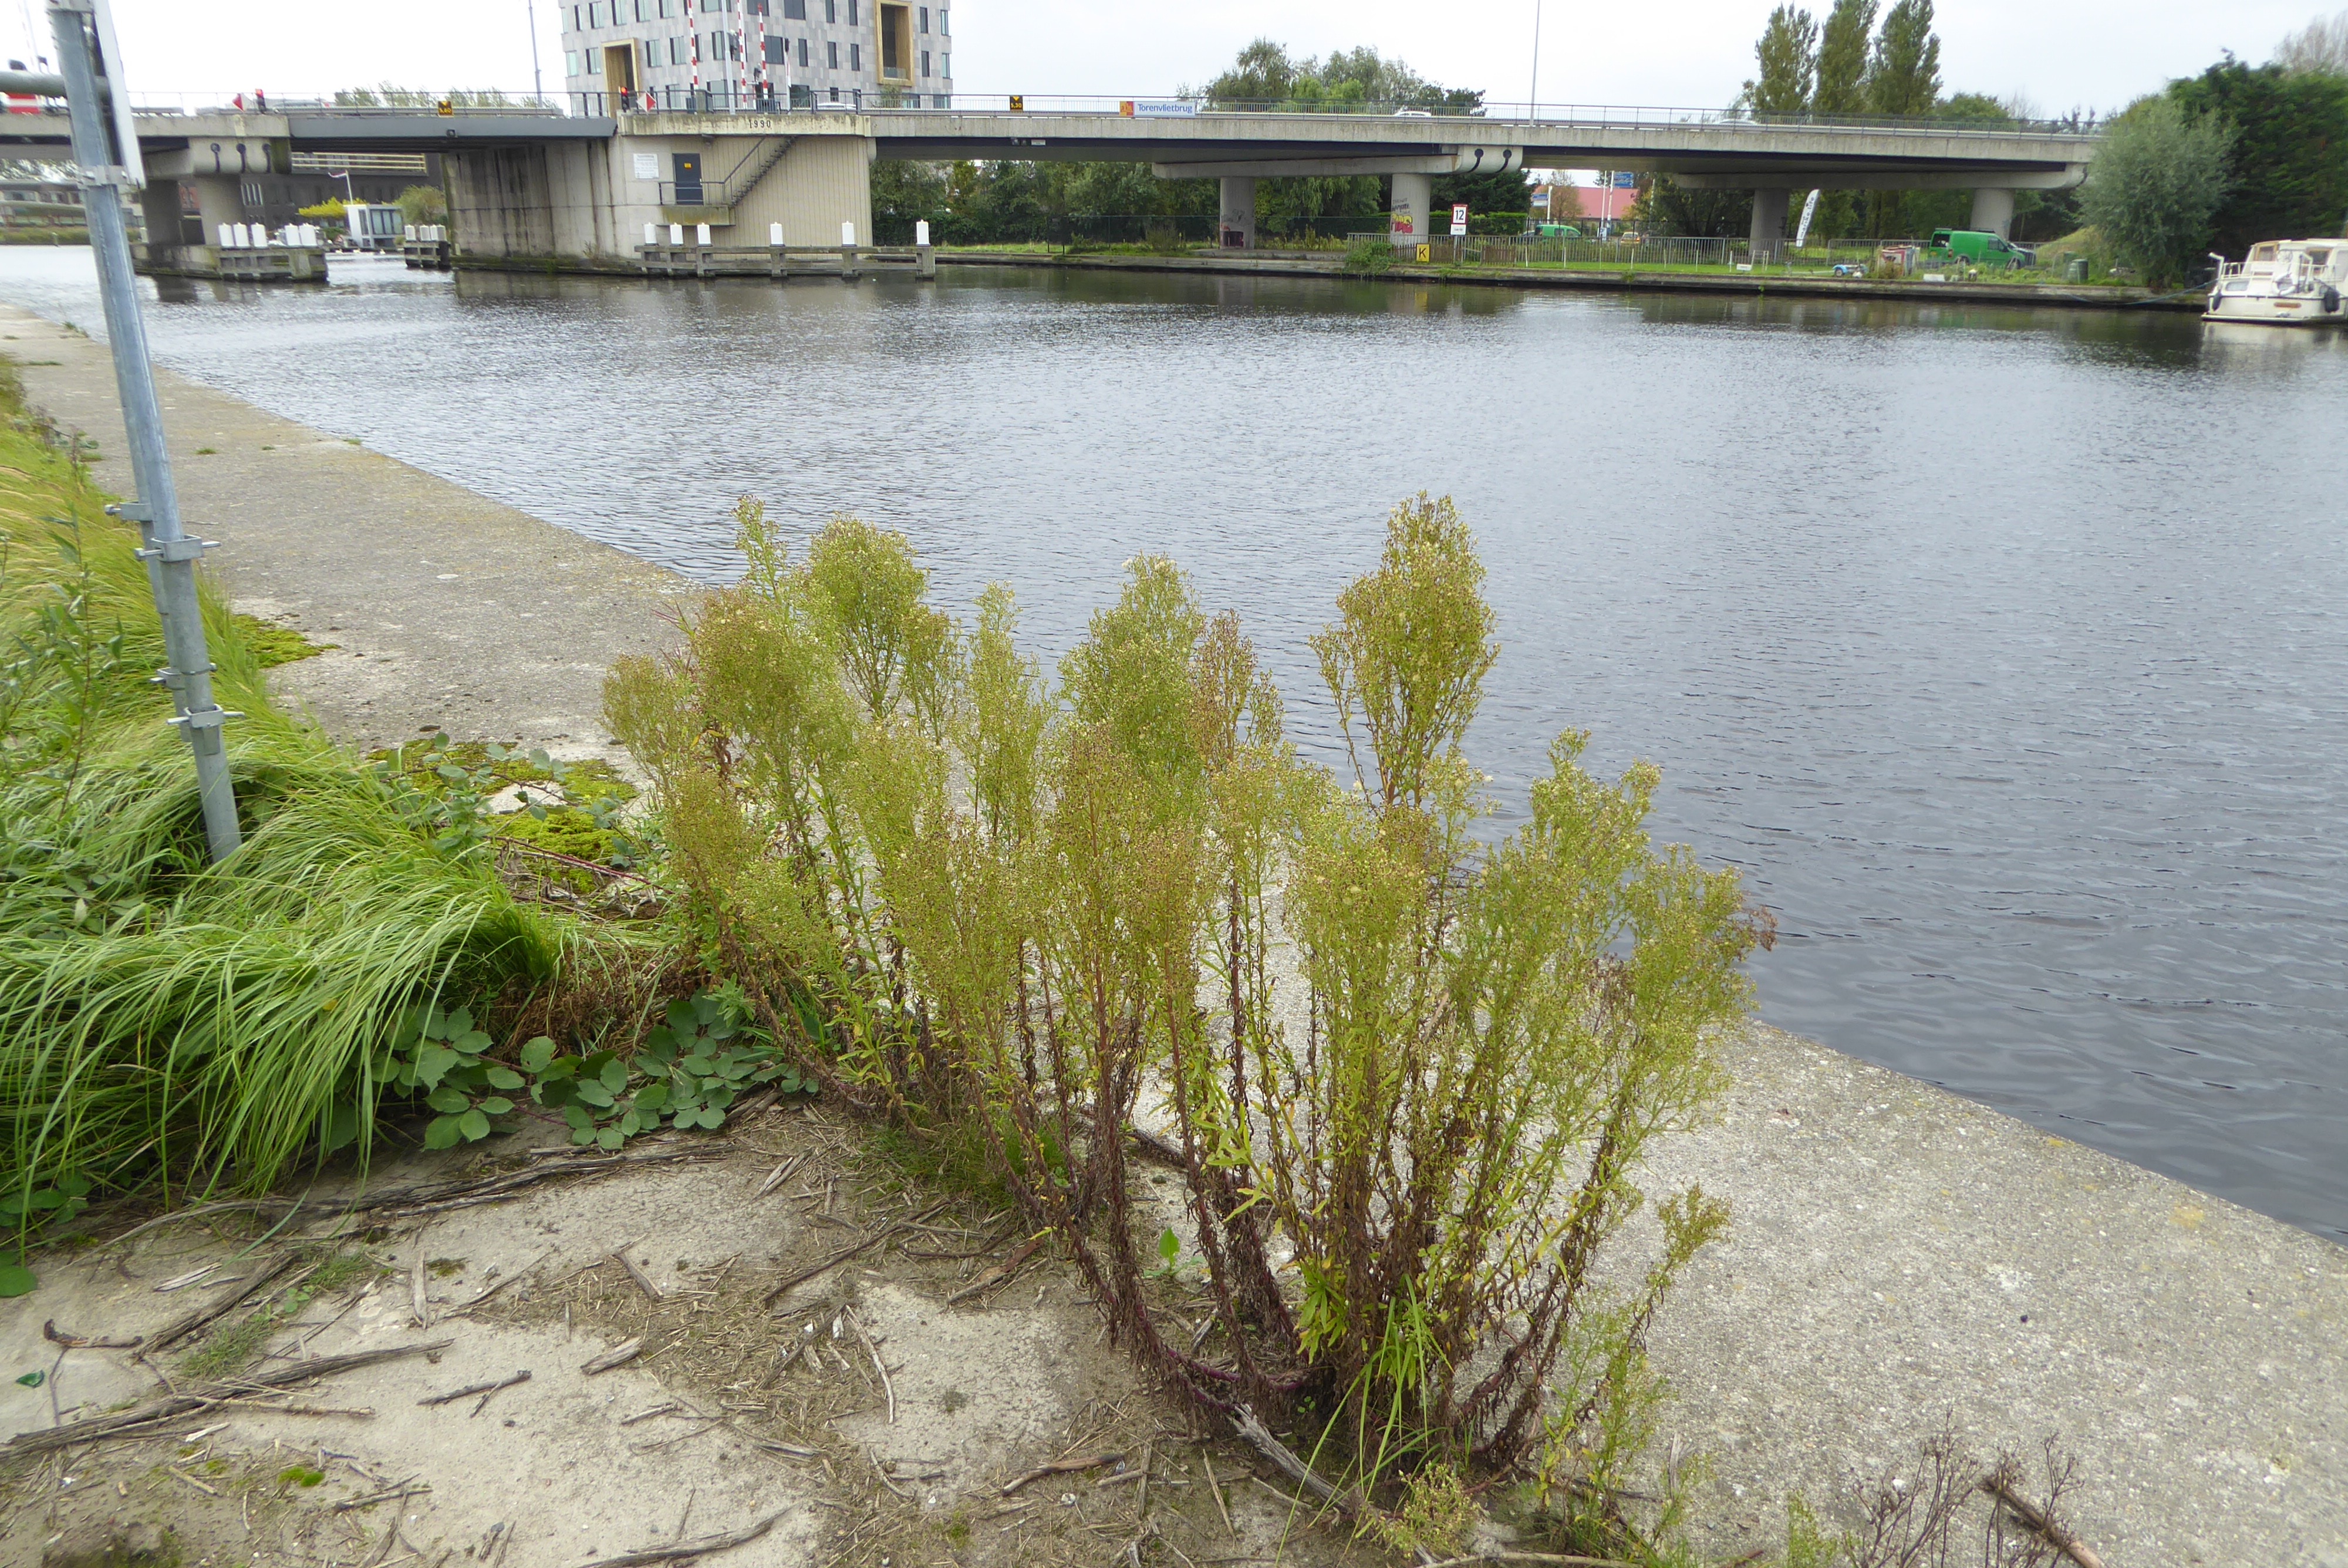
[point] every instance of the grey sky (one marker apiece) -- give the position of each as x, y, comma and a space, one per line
2084, 53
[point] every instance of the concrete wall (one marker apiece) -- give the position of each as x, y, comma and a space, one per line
586, 203
501, 203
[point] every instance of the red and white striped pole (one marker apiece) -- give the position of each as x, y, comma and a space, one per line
765, 76
695, 101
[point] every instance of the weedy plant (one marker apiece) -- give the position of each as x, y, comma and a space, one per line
1409, 1079
161, 1017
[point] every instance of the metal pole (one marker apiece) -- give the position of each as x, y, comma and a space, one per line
170, 554
1532, 110
537, 81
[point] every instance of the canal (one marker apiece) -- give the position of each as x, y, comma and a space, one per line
2005, 651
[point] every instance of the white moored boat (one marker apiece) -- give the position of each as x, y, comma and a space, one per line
2282, 283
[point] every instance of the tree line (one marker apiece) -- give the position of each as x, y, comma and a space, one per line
2221, 162
1859, 63
1015, 200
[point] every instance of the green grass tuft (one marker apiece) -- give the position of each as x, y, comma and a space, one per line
160, 1016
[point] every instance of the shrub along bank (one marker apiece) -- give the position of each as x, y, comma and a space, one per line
1405, 1079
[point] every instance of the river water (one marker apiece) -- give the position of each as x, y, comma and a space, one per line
2006, 651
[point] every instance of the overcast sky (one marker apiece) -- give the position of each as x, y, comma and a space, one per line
2084, 53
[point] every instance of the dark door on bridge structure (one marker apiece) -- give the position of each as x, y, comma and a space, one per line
688, 179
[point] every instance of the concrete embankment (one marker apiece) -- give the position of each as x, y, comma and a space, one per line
1629, 280
1900, 1256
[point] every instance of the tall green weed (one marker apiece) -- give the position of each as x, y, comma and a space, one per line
1410, 1081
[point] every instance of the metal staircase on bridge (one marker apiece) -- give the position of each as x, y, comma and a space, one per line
719, 197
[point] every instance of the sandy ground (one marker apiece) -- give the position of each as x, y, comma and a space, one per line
1901, 1258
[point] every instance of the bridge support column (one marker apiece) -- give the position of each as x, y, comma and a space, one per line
1769, 223
1413, 206
159, 205
1236, 232
220, 200
1993, 212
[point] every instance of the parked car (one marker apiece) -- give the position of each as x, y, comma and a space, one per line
1558, 231
1978, 246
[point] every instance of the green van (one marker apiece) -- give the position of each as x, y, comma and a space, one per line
1975, 245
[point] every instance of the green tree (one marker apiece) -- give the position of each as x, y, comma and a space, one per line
422, 204
1841, 79
903, 193
1667, 206
1841, 91
1788, 57
2155, 186
2287, 176
1904, 76
1263, 74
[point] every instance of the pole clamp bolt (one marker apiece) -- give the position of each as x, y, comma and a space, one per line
186, 548
209, 719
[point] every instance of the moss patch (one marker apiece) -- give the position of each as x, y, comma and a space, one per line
273, 645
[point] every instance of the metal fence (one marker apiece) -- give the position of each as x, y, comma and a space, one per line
732, 99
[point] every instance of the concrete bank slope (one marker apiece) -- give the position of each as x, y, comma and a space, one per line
1899, 1255
1629, 280
445, 608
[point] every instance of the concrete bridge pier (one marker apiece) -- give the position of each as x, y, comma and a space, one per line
221, 199
1413, 204
159, 204
1236, 230
1993, 212
1769, 206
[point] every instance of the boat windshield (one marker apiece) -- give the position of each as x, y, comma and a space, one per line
2265, 252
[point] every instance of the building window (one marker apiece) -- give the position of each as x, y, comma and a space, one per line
778, 52
665, 7
803, 57
835, 95
925, 22
948, 72
594, 62
595, 14
794, 10
576, 25
651, 53
852, 13
925, 62
831, 55
676, 51
831, 10
944, 30
856, 58
570, 62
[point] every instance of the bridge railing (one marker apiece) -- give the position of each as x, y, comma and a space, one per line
467, 101
728, 98
781, 99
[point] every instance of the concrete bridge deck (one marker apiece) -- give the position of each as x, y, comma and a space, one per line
546, 187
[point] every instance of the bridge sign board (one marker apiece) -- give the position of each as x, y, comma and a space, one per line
1458, 219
